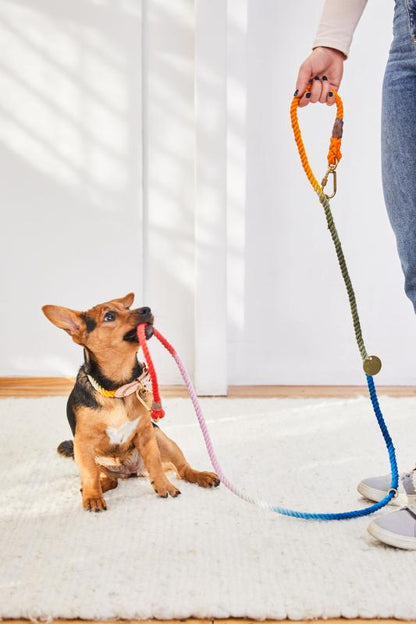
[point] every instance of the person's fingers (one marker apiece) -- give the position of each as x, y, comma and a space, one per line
325, 88
330, 99
327, 65
316, 89
305, 99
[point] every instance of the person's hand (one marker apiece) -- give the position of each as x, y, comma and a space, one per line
323, 69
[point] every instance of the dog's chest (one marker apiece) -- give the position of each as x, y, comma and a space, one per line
120, 422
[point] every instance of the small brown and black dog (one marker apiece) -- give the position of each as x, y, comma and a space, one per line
114, 436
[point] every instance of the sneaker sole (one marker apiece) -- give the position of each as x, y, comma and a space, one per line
377, 495
391, 539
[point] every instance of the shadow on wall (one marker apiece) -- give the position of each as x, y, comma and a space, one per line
169, 184
68, 99
71, 139
71, 160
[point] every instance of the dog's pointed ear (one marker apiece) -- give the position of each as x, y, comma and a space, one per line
126, 301
69, 320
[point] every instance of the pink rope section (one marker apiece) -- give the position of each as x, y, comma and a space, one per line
198, 411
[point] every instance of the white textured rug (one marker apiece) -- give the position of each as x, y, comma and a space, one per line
206, 553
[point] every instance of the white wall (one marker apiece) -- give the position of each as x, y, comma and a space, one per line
289, 318
169, 189
70, 159
146, 145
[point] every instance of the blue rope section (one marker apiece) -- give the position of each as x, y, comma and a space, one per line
346, 515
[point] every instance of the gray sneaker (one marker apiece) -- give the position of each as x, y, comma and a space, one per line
376, 488
397, 528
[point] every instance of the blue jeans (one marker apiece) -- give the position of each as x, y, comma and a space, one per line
399, 139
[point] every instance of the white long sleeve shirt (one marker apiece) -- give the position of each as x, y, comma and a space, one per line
338, 23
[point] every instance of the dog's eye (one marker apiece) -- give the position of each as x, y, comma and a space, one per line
110, 316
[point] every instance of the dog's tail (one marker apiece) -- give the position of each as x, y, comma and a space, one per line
66, 448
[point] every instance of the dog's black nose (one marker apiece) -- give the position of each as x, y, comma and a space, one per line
144, 311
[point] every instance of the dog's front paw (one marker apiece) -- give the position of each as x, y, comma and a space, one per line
207, 479
165, 488
94, 503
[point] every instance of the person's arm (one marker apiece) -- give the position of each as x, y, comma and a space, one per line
338, 23
330, 49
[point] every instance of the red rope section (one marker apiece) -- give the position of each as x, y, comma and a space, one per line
157, 409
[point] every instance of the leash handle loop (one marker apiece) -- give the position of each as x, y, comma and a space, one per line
334, 151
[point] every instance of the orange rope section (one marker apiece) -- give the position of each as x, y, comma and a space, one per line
334, 152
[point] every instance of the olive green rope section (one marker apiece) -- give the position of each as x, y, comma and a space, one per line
344, 270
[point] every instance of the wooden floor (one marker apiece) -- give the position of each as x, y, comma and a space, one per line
213, 621
61, 386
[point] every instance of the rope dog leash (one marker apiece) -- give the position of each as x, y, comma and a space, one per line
217, 467
156, 410
371, 364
